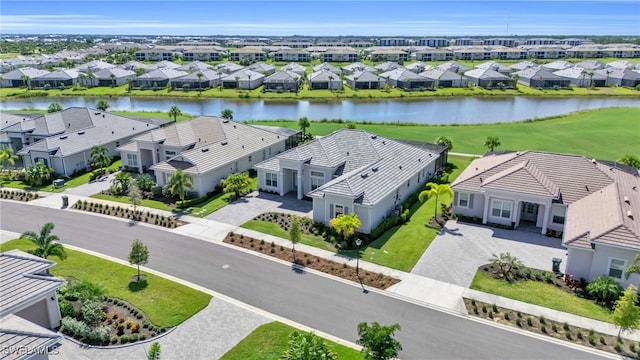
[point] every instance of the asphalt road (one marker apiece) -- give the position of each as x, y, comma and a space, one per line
315, 301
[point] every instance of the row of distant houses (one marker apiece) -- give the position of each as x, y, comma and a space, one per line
418, 75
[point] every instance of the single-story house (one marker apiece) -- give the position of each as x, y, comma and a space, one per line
387, 66
407, 80
590, 65
582, 77
54, 79
24, 340
620, 77
157, 79
295, 68
208, 79
262, 68
166, 64
489, 79
327, 67
134, 65
208, 148
94, 66
445, 78
194, 66
283, 80
541, 78
558, 65
113, 76
228, 68
620, 64
418, 67
492, 65
523, 65
357, 67
365, 80
21, 77
244, 79
454, 66
324, 79
350, 171
63, 140
27, 291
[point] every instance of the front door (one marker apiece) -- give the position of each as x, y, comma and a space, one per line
529, 211
294, 180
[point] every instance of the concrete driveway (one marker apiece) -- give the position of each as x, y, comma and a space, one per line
256, 203
457, 252
93, 187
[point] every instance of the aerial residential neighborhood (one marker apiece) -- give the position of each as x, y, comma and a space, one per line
313, 180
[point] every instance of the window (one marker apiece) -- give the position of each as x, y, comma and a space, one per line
616, 268
317, 179
531, 208
271, 179
338, 210
132, 159
168, 154
558, 213
463, 199
501, 208
264, 154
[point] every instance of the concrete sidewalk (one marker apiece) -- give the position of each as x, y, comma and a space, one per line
415, 288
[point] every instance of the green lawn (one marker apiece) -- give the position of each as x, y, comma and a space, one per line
165, 302
542, 294
154, 204
268, 227
270, 341
579, 133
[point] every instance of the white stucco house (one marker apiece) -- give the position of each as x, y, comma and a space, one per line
350, 171
208, 148
591, 203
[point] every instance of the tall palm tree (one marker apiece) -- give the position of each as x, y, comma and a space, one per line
346, 225
175, 112
178, 183
26, 80
304, 123
113, 80
99, 155
47, 243
90, 77
199, 75
8, 158
584, 73
633, 268
445, 141
492, 142
435, 190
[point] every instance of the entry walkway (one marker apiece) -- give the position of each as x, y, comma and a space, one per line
413, 287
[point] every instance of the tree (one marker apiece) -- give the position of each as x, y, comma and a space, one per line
135, 197
236, 183
99, 155
37, 174
102, 105
154, 352
435, 190
604, 289
54, 107
121, 182
633, 268
8, 158
26, 80
178, 183
175, 112
113, 80
227, 114
445, 141
507, 264
492, 142
139, 254
377, 341
304, 124
145, 182
626, 313
199, 74
307, 346
295, 233
346, 225
630, 160
47, 243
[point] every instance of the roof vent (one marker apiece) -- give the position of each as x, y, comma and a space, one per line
384, 143
364, 176
102, 115
63, 137
626, 199
234, 126
374, 136
629, 214
224, 121
347, 153
68, 124
593, 161
134, 129
204, 149
400, 167
224, 142
80, 132
374, 169
419, 160
586, 187
147, 124
112, 132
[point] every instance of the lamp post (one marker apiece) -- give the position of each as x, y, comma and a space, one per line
358, 243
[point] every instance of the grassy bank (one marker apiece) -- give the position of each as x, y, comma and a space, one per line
589, 133
269, 342
165, 302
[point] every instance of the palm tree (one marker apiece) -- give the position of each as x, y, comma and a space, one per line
26, 80
8, 158
630, 160
99, 155
590, 73
54, 107
129, 84
227, 114
47, 243
330, 80
236, 183
237, 82
37, 174
445, 141
435, 190
175, 112
90, 77
102, 105
345, 225
633, 268
199, 75
178, 182
304, 123
492, 142
583, 73
113, 80
122, 182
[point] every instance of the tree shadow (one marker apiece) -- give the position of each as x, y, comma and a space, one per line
136, 286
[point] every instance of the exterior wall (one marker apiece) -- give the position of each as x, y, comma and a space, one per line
44, 311
319, 216
477, 205
364, 214
600, 263
550, 224
579, 263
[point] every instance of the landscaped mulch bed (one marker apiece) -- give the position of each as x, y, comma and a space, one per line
531, 274
303, 259
126, 213
558, 330
18, 195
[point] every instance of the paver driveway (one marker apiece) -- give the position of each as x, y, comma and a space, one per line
256, 203
457, 252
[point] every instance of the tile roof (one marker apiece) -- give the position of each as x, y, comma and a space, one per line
538, 73
199, 131
62, 74
525, 178
162, 74
363, 76
19, 337
28, 71
486, 74
232, 141
21, 280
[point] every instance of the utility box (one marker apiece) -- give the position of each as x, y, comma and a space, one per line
58, 183
65, 201
556, 264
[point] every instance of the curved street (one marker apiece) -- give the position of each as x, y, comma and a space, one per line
330, 306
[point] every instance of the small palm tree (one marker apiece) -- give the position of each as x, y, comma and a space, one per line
178, 183
8, 158
236, 183
47, 243
26, 80
99, 155
346, 225
633, 268
121, 182
199, 75
435, 190
492, 142
175, 112
113, 80
37, 174
445, 141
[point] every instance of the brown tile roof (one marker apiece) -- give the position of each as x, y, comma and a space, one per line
524, 178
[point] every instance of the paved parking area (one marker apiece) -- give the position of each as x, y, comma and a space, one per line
457, 252
256, 203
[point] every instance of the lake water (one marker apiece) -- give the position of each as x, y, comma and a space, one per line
455, 110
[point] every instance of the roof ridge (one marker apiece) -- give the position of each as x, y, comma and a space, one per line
540, 176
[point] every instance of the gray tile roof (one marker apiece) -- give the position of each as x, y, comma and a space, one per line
162, 74
206, 75
244, 75
63, 74
294, 67
283, 76
105, 74
327, 67
363, 76
262, 68
18, 73
494, 66
235, 141
358, 66
323, 75
195, 66
7, 120
22, 279
19, 336
453, 66
538, 73
440, 74
486, 74
402, 74
577, 73
558, 65
199, 131
523, 65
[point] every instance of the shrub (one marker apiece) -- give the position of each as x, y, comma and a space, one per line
135, 328
617, 347
568, 336
592, 340
507, 316
632, 347
490, 314
91, 312
543, 329
519, 322
604, 289
565, 326
124, 339
133, 338
66, 309
602, 340
475, 310
542, 320
494, 307
579, 335
484, 309
114, 339
529, 321
554, 328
